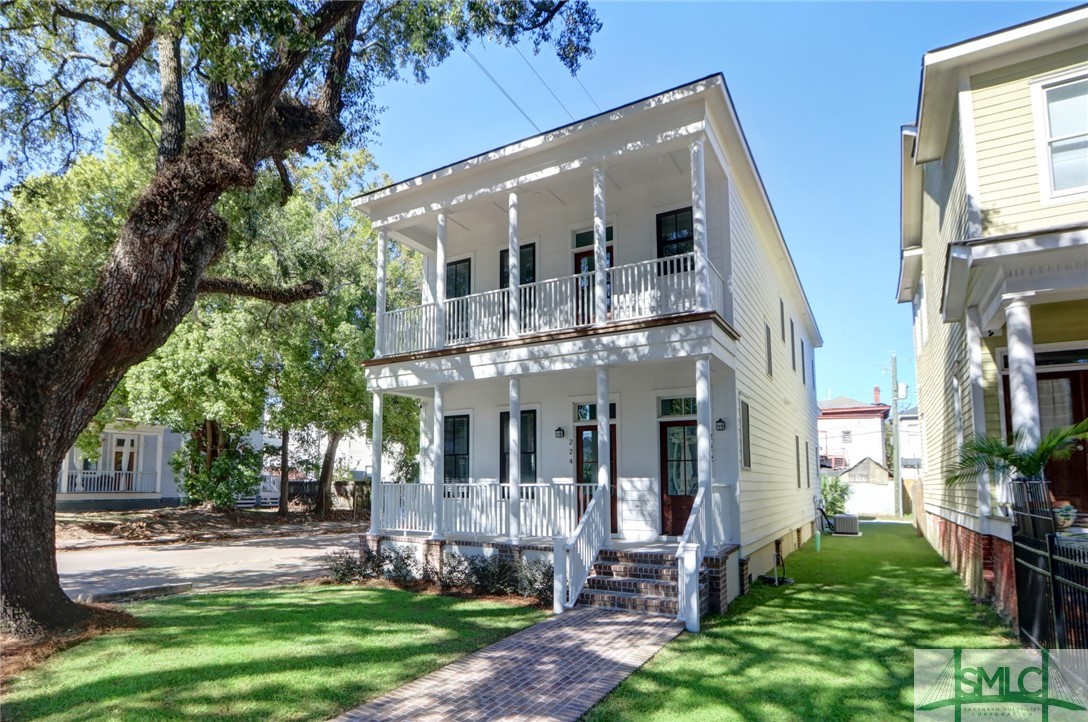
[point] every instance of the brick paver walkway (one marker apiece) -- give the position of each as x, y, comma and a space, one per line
552, 671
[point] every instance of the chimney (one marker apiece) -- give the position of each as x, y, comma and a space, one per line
876, 394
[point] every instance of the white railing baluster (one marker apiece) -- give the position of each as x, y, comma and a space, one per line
589, 537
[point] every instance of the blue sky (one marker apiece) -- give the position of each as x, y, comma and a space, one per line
821, 90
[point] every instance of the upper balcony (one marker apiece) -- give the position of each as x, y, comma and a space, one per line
610, 222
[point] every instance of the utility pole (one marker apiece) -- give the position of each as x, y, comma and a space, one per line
896, 470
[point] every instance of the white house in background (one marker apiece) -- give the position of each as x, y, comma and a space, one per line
612, 305
851, 430
910, 445
132, 471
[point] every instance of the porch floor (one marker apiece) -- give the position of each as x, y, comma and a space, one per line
555, 670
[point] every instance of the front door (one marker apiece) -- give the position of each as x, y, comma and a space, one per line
123, 461
679, 474
458, 285
586, 463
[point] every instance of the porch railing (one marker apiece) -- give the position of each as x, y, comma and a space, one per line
574, 557
406, 507
110, 482
409, 329
689, 560
646, 289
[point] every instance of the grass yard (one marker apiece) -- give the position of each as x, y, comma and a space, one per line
297, 653
837, 645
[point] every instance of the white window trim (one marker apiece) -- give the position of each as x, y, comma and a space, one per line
440, 445
1039, 86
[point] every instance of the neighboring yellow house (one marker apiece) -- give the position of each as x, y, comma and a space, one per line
995, 262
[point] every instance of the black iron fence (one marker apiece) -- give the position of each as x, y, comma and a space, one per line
1051, 575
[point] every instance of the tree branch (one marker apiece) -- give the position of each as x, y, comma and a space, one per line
276, 294
337, 70
124, 61
173, 98
91, 20
285, 179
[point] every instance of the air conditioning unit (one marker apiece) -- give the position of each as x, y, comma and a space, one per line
846, 524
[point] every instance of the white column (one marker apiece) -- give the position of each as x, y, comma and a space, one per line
375, 463
379, 314
1023, 385
604, 444
158, 462
440, 283
439, 435
698, 223
600, 251
513, 465
702, 438
978, 410
514, 270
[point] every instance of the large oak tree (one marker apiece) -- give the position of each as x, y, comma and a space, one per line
270, 79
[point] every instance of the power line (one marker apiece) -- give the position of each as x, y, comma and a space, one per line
587, 93
545, 84
502, 89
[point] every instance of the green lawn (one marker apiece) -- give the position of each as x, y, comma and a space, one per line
297, 653
837, 645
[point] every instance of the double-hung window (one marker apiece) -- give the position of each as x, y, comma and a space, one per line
1062, 125
456, 450
526, 265
527, 446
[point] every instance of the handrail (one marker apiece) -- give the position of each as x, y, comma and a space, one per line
689, 559
575, 556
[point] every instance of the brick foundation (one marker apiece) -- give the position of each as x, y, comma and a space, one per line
984, 562
717, 573
745, 576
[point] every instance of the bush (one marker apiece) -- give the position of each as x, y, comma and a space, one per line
345, 566
537, 579
236, 471
493, 575
455, 574
399, 565
835, 492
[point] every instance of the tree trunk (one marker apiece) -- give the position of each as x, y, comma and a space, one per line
285, 474
324, 480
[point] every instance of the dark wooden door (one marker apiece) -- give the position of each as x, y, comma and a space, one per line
679, 474
586, 464
1063, 400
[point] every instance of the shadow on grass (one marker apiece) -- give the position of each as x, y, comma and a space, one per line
298, 653
836, 645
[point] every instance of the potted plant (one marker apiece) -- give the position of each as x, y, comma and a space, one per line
1018, 460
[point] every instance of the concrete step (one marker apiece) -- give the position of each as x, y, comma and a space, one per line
629, 601
645, 587
661, 572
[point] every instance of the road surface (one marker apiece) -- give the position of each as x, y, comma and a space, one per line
211, 565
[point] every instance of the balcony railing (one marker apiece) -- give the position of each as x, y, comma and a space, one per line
109, 482
647, 289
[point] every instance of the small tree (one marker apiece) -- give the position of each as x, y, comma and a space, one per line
835, 493
234, 471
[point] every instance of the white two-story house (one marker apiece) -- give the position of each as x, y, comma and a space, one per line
612, 306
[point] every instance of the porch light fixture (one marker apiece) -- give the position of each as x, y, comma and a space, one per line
560, 432
720, 424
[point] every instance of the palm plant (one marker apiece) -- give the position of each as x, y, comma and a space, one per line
982, 454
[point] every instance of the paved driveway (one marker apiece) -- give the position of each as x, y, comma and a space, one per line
213, 565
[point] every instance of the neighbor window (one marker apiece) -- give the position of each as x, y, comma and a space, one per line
847, 437
455, 448
745, 435
526, 265
528, 446
1063, 135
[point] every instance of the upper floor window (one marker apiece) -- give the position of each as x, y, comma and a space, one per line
526, 265
675, 233
770, 361
1061, 106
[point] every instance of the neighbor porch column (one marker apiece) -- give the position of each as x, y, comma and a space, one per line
1023, 385
698, 224
379, 313
600, 251
702, 439
376, 462
604, 445
63, 486
438, 434
513, 464
440, 283
513, 319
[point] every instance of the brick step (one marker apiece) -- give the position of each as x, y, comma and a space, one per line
660, 572
636, 557
629, 601
645, 587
